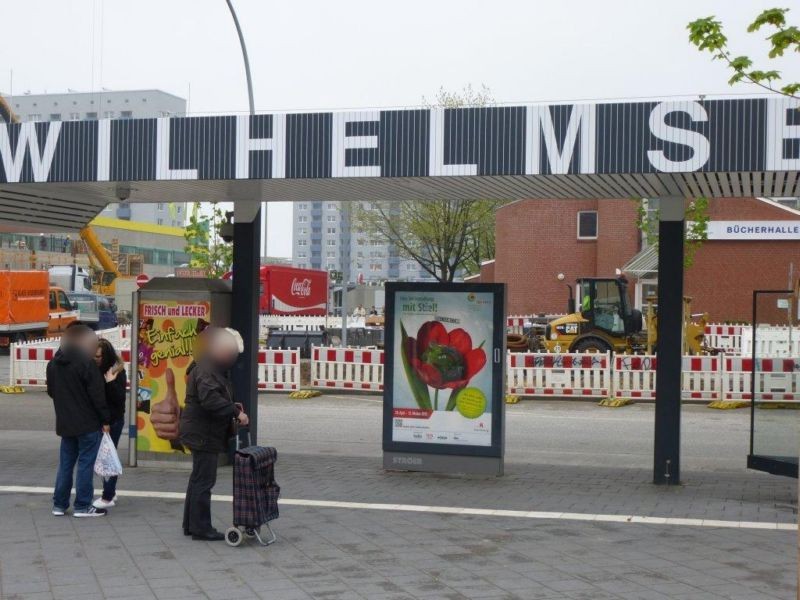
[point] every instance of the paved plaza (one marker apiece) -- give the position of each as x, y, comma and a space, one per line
574, 517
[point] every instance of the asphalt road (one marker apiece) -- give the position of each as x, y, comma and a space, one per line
538, 431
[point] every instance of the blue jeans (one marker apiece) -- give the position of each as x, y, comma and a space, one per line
110, 486
81, 449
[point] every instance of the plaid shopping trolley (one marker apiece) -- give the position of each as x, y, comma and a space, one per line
255, 495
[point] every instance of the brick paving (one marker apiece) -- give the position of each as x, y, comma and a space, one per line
139, 551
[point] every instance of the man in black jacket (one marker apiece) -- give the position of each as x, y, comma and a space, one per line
76, 386
204, 426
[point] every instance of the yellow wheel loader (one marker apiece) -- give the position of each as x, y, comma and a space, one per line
606, 322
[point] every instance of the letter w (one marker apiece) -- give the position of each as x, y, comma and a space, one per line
539, 124
40, 161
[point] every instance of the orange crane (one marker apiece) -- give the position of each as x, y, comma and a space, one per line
105, 271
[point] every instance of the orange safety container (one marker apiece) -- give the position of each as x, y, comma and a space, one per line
24, 305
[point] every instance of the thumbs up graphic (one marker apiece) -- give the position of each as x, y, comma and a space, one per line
166, 414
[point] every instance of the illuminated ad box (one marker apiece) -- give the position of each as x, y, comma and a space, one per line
444, 377
170, 314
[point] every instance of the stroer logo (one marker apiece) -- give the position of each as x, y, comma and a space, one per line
301, 287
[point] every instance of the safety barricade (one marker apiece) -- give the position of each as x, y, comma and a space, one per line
516, 324
726, 338
777, 379
771, 341
701, 378
279, 369
634, 376
28, 362
539, 374
347, 368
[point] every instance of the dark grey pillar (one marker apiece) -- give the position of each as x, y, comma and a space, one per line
244, 315
667, 454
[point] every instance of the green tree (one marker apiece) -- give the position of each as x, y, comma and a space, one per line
707, 34
204, 245
444, 236
696, 226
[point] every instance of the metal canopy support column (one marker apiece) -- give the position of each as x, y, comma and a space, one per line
244, 314
666, 466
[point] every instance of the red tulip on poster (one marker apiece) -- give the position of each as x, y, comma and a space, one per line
443, 359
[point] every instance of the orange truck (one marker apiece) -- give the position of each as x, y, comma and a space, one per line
30, 308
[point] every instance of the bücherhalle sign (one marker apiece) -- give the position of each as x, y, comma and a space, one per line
753, 230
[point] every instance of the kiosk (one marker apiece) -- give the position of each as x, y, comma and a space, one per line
169, 313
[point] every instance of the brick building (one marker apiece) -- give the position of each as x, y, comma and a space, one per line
538, 239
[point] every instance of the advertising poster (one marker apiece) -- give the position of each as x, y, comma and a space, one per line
443, 367
165, 344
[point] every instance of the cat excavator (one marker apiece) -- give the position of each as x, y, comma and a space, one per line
607, 322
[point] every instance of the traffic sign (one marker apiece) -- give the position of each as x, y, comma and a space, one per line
141, 279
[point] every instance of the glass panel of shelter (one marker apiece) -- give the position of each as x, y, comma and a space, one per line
775, 385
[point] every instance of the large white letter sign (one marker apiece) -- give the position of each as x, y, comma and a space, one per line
539, 124
695, 140
103, 149
341, 143
276, 145
436, 166
40, 161
162, 154
778, 131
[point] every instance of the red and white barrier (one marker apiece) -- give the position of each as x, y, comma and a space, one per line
737, 340
727, 338
771, 341
28, 364
347, 368
516, 324
634, 376
777, 379
701, 378
540, 374
279, 369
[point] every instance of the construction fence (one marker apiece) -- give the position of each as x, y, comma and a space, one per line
277, 369
711, 378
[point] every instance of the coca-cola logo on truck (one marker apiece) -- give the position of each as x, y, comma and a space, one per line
301, 287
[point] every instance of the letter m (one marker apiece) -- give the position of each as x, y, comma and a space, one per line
539, 127
40, 160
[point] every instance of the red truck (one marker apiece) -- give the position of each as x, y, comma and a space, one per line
292, 291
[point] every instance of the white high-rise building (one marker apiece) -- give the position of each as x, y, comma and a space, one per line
323, 238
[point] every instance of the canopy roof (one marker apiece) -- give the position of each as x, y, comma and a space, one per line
59, 175
644, 263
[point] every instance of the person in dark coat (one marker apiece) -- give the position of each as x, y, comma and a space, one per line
205, 423
116, 381
76, 387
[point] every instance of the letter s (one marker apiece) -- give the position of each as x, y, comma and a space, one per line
695, 140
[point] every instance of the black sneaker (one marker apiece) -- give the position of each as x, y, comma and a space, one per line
90, 512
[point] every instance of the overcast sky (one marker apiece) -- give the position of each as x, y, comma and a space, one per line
353, 53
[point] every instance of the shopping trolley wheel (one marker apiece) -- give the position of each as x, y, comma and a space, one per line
233, 536
249, 533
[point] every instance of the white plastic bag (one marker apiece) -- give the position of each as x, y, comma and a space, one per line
107, 463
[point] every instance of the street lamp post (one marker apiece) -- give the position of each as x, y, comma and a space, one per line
251, 103
247, 250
